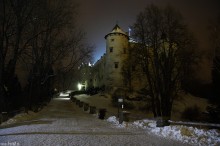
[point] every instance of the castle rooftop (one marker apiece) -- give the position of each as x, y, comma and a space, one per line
116, 30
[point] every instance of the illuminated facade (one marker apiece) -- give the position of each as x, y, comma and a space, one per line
107, 71
116, 54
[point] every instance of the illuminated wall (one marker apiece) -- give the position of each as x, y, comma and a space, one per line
116, 53
107, 71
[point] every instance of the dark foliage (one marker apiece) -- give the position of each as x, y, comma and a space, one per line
128, 105
213, 114
216, 80
199, 89
13, 94
77, 93
93, 91
192, 114
115, 100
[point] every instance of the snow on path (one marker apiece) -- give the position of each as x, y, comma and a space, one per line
63, 123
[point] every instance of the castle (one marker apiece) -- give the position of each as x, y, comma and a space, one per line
108, 72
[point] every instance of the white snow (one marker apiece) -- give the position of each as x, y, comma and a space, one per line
19, 117
62, 94
186, 134
115, 122
69, 125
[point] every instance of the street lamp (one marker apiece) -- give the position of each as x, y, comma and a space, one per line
79, 86
120, 106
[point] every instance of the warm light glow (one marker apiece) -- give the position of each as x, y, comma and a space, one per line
79, 86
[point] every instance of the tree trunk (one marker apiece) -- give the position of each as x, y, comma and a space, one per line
1, 87
163, 119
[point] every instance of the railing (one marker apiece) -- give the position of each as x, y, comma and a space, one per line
195, 124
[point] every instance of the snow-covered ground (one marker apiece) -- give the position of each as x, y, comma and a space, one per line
185, 134
64, 123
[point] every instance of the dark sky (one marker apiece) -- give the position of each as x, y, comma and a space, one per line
98, 17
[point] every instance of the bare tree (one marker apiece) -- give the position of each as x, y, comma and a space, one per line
40, 34
126, 72
165, 50
3, 47
21, 12
15, 16
59, 45
10, 37
130, 69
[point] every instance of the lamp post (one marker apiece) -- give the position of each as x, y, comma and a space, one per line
120, 112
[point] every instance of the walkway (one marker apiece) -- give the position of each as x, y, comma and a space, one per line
64, 123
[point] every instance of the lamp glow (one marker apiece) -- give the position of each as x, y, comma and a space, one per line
79, 86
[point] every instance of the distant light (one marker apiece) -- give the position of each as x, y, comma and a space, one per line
129, 31
64, 94
79, 86
62, 98
68, 91
132, 40
90, 64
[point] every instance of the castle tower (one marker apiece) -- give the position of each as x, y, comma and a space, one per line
116, 53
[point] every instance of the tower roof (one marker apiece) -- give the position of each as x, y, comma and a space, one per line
116, 30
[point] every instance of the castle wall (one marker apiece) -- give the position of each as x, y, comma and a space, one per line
107, 71
116, 53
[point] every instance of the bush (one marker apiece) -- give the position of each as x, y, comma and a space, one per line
129, 105
114, 100
144, 91
192, 113
146, 107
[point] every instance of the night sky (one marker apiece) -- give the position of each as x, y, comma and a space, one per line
98, 17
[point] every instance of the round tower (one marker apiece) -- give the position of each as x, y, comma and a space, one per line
116, 53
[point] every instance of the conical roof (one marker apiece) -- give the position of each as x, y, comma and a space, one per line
116, 30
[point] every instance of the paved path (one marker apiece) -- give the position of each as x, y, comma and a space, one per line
63, 123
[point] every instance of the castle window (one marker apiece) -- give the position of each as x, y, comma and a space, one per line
111, 49
116, 64
124, 50
112, 40
133, 67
